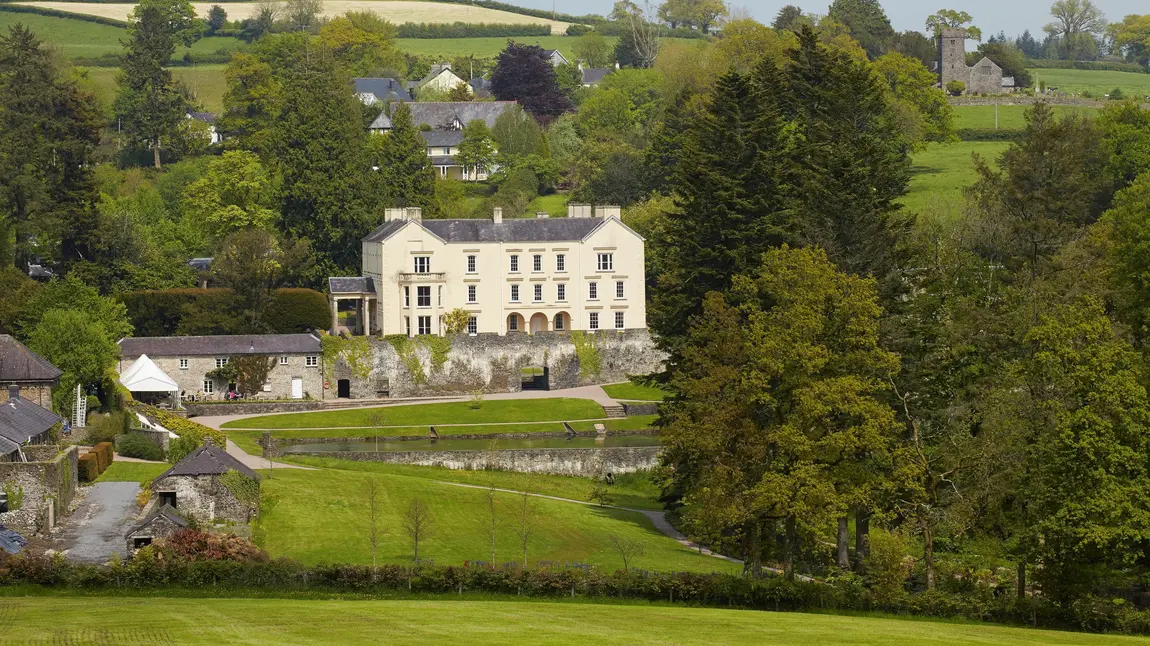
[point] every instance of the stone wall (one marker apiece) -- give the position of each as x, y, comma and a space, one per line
205, 498
52, 481
492, 362
562, 462
274, 447
37, 393
252, 408
191, 379
631, 409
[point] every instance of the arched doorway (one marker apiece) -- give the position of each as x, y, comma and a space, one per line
562, 322
538, 322
516, 323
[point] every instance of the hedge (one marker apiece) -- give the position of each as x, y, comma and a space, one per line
89, 467
138, 446
295, 310
470, 30
1096, 66
619, 28
988, 134
105, 453
56, 13
146, 572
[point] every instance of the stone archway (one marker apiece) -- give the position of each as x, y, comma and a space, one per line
538, 322
516, 323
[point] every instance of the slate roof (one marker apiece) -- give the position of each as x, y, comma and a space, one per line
595, 75
382, 122
190, 346
40, 272
206, 117
10, 541
351, 285
440, 115
514, 230
385, 231
384, 89
166, 512
480, 84
22, 420
201, 264
207, 460
18, 364
7, 446
442, 138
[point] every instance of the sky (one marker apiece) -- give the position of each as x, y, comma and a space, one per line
991, 16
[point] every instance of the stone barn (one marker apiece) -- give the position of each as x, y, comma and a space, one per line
161, 523
199, 486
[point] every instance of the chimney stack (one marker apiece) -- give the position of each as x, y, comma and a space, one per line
607, 212
542, 215
414, 213
13, 392
390, 215
578, 210
497, 215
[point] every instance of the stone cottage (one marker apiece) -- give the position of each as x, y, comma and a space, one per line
196, 487
34, 375
161, 523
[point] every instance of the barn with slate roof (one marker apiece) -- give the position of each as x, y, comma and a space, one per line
196, 487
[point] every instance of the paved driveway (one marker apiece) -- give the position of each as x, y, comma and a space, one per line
96, 529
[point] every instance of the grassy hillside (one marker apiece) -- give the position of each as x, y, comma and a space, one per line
941, 172
1010, 117
268, 622
1095, 82
79, 38
207, 83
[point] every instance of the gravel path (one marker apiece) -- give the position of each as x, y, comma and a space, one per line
95, 531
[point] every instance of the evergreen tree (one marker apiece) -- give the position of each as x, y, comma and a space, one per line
867, 22
407, 177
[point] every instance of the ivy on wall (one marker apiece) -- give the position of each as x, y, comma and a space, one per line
439, 348
355, 351
245, 489
587, 351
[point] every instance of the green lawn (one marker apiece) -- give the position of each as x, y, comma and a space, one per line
1097, 83
509, 410
88, 39
141, 472
207, 83
554, 204
941, 172
322, 516
1010, 117
270, 622
635, 392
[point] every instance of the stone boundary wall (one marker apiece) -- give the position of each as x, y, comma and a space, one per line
491, 362
561, 462
253, 408
48, 482
276, 450
640, 408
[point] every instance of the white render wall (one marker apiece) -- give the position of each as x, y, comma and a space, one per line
448, 279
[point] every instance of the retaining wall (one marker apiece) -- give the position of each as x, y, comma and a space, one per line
252, 408
562, 462
49, 482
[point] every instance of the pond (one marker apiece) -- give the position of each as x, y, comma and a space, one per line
498, 444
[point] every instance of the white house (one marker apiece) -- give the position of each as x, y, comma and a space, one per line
440, 79
556, 57
582, 272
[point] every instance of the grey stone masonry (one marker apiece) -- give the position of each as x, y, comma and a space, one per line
190, 373
49, 479
203, 497
563, 462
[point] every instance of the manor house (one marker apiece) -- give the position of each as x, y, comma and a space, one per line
581, 272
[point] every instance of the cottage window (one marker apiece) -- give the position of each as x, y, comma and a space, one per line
561, 292
618, 289
209, 386
407, 297
515, 293
424, 324
593, 291
473, 326
423, 296
312, 361
514, 264
606, 262
472, 295
183, 364
422, 264
618, 320
221, 362
560, 262
407, 325
537, 263
471, 264
538, 293
513, 323
593, 322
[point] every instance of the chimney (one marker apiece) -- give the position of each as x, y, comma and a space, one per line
542, 215
579, 65
414, 213
390, 215
616, 64
578, 210
497, 215
607, 212
13, 392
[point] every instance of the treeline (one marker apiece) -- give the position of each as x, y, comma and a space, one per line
1094, 66
170, 312
471, 30
168, 575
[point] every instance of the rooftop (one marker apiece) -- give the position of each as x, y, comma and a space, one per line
446, 114
383, 88
351, 285
10, 541
18, 364
22, 420
595, 75
209, 459
222, 345
512, 230
167, 512
442, 138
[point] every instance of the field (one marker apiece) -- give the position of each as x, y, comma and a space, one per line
397, 11
1096, 82
207, 83
322, 516
941, 172
1010, 117
268, 622
508, 410
89, 39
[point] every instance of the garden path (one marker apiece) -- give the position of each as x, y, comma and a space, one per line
95, 531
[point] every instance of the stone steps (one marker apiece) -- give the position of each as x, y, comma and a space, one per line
614, 411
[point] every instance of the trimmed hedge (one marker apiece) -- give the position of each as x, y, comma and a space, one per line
470, 30
105, 453
988, 134
1095, 66
56, 13
281, 577
137, 446
295, 309
88, 467
619, 29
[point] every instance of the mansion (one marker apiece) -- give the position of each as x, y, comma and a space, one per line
582, 272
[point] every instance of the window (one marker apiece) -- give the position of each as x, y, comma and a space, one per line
209, 386
559, 322
447, 151
183, 364
513, 323
514, 264
560, 262
407, 325
312, 361
423, 296
439, 297
283, 360
423, 264
221, 362
515, 293
471, 294
537, 263
594, 321
424, 325
606, 262
593, 291
561, 292
618, 289
473, 325
538, 293
618, 320
471, 264
407, 297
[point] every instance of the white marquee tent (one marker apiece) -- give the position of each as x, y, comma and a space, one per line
146, 377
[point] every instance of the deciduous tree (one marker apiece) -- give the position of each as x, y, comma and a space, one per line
235, 194
867, 23
524, 74
951, 19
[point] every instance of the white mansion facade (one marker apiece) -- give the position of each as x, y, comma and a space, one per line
582, 272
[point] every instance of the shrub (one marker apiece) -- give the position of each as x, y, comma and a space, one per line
140, 447
194, 545
180, 426
88, 467
578, 30
955, 88
104, 452
293, 310
179, 448
1116, 94
471, 30
107, 427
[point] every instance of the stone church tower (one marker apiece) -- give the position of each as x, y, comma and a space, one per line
952, 57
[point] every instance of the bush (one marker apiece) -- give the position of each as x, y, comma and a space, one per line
955, 88
140, 447
167, 312
194, 545
88, 467
293, 310
159, 312
578, 30
107, 427
179, 448
988, 134
181, 426
1116, 94
104, 452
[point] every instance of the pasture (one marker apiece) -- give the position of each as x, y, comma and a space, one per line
1010, 117
1097, 83
940, 173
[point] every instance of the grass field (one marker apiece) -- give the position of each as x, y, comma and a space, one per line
1095, 82
397, 11
270, 622
1010, 117
207, 83
322, 516
89, 39
554, 204
635, 392
941, 172
141, 472
520, 410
